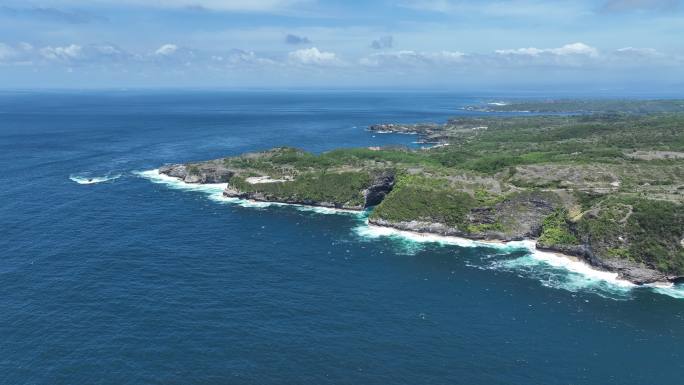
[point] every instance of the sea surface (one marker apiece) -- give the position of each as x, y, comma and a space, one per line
110, 274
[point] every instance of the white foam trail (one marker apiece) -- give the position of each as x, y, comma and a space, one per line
371, 231
215, 192
576, 266
80, 179
669, 289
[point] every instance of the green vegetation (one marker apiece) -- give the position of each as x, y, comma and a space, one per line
344, 188
556, 230
427, 200
485, 227
641, 230
655, 232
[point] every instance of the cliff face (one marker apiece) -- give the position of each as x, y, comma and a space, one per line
369, 189
635, 237
519, 216
202, 172
628, 270
381, 185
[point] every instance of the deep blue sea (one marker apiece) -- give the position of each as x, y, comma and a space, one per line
135, 280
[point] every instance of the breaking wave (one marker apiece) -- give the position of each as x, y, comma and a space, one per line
84, 179
550, 269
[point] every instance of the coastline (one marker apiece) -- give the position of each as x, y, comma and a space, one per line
555, 259
216, 193
571, 263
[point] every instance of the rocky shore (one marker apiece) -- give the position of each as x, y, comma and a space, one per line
520, 216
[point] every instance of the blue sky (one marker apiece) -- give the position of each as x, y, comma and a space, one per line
317, 43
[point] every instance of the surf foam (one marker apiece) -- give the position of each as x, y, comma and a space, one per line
669, 289
551, 269
83, 179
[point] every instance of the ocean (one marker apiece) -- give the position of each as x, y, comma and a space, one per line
110, 274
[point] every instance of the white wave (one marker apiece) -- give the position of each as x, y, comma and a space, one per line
214, 191
371, 231
669, 289
81, 179
550, 269
155, 177
566, 274
500, 104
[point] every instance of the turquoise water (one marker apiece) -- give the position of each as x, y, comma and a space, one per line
110, 275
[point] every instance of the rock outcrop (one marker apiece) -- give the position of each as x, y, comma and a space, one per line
382, 184
203, 172
516, 218
631, 271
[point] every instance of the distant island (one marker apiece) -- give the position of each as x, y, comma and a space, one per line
599, 180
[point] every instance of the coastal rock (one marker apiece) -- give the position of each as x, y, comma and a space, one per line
204, 172
423, 227
174, 170
520, 216
631, 271
232, 192
381, 185
258, 196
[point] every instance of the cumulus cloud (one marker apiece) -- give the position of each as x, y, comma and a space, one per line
166, 50
639, 5
641, 52
238, 58
409, 58
65, 53
312, 56
6, 52
171, 57
568, 49
383, 42
294, 39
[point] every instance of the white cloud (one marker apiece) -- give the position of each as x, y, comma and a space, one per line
568, 49
66, 53
238, 57
6, 52
412, 58
641, 52
448, 56
430, 64
575, 49
21, 54
312, 56
166, 50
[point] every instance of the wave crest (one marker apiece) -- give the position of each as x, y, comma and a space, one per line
84, 179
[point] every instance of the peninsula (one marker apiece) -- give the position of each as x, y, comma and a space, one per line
602, 181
